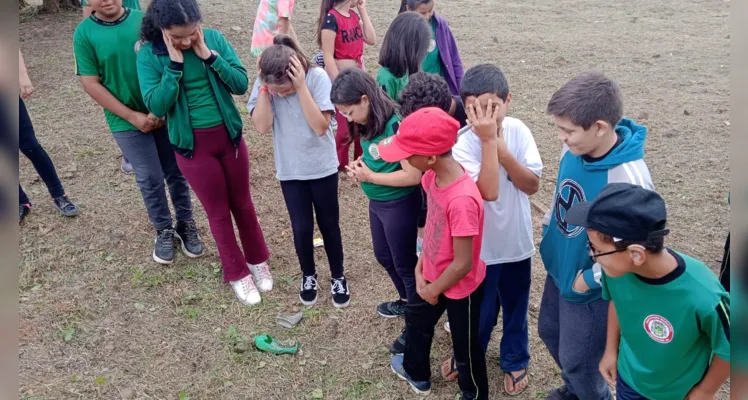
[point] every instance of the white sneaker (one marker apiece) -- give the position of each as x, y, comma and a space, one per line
246, 291
261, 272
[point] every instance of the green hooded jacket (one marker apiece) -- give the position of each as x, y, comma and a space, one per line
163, 94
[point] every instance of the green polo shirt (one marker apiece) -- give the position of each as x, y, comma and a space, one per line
372, 160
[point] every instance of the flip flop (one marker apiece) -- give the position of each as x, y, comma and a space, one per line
289, 321
449, 370
515, 381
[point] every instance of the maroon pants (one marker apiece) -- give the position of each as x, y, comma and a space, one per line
341, 142
219, 174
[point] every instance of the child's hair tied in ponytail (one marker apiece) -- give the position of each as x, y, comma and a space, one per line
275, 60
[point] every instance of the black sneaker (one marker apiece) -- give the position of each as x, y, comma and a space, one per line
163, 252
398, 346
188, 235
308, 293
23, 211
561, 393
341, 297
65, 206
392, 309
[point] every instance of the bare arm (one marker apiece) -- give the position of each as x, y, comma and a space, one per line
614, 330
328, 51
319, 120
262, 115
408, 176
24, 81
524, 179
370, 37
106, 99
716, 375
460, 266
486, 126
488, 177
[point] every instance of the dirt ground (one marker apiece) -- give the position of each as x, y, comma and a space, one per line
99, 318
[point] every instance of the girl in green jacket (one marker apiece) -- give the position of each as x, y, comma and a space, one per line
188, 75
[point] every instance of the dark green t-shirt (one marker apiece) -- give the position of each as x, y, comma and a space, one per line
670, 327
432, 63
133, 4
375, 163
391, 84
203, 107
107, 50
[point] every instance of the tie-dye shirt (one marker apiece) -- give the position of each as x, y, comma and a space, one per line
266, 22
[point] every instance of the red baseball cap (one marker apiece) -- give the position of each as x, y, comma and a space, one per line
427, 132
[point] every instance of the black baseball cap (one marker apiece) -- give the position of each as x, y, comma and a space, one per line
624, 212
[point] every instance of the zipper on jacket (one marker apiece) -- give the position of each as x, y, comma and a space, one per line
225, 122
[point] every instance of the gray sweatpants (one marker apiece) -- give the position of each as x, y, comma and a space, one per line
575, 335
153, 160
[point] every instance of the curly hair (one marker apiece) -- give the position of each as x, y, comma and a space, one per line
425, 90
163, 14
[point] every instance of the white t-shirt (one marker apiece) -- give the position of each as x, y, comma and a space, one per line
507, 231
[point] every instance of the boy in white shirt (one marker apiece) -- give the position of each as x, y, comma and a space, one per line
501, 155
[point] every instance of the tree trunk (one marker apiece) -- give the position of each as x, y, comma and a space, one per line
51, 6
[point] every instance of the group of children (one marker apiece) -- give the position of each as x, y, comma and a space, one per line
447, 174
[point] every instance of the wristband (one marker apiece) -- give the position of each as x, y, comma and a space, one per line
265, 89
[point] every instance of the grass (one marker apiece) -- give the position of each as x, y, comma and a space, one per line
82, 278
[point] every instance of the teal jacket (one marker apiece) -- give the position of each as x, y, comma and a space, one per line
160, 84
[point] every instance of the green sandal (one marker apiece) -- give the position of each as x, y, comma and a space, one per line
270, 345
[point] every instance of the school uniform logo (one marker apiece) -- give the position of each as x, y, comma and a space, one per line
659, 329
432, 45
569, 193
374, 151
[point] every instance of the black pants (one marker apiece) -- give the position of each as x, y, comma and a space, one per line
464, 317
393, 235
30, 147
303, 200
422, 214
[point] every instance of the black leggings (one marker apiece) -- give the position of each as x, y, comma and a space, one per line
30, 147
304, 199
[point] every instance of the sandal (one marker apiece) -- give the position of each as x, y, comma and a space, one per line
515, 381
449, 369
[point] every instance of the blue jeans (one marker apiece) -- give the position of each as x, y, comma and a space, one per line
152, 158
507, 287
626, 392
575, 335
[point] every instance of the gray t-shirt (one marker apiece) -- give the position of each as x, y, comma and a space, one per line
299, 153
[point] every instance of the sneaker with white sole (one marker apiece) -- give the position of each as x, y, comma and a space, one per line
246, 291
263, 279
341, 296
308, 292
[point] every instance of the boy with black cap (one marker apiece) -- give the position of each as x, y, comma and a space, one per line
449, 273
669, 317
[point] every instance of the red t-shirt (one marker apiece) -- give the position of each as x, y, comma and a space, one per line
454, 211
349, 41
